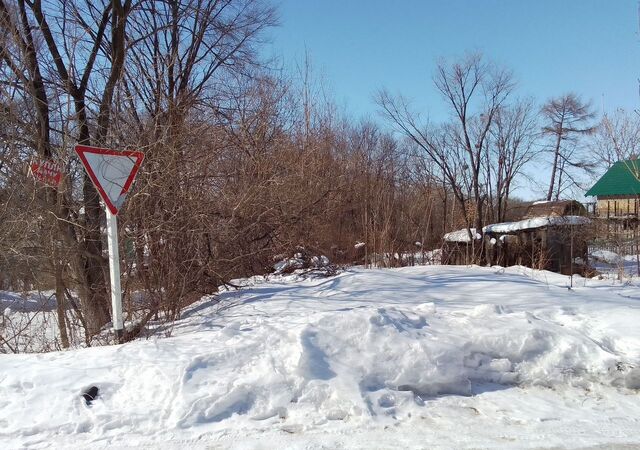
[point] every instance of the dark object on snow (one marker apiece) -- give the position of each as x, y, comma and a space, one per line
90, 394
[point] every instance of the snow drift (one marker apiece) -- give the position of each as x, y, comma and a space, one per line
362, 349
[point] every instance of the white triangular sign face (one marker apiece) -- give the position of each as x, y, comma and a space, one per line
111, 172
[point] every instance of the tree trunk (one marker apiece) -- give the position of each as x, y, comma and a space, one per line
60, 302
556, 157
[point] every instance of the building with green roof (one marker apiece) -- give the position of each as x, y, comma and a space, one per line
618, 191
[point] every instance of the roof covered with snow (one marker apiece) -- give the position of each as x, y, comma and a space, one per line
555, 208
461, 235
535, 222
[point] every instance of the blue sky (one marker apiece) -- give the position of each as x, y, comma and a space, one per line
553, 46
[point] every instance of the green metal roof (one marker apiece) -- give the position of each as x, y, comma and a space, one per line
623, 178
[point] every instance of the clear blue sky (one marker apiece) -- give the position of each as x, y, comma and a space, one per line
591, 47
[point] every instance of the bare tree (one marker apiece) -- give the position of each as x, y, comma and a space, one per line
76, 51
188, 92
474, 91
617, 137
242, 164
567, 118
512, 145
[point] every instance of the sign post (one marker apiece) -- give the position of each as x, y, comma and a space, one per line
112, 173
114, 273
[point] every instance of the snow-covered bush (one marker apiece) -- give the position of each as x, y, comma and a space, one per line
304, 262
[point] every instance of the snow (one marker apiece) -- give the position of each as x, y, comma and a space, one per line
606, 256
428, 256
27, 302
320, 261
461, 235
434, 356
421, 257
535, 222
300, 261
541, 202
612, 265
289, 263
28, 322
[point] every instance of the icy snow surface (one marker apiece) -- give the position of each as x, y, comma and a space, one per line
422, 357
535, 222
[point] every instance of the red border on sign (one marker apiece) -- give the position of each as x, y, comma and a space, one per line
139, 156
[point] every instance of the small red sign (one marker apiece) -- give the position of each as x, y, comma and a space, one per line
47, 172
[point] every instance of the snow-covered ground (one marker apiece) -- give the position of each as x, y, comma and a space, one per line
418, 357
611, 264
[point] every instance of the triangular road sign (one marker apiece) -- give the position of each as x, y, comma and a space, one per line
112, 172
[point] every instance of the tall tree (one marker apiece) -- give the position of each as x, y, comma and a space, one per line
474, 90
513, 145
75, 51
567, 118
192, 94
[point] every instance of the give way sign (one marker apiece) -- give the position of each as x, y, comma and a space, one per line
112, 172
